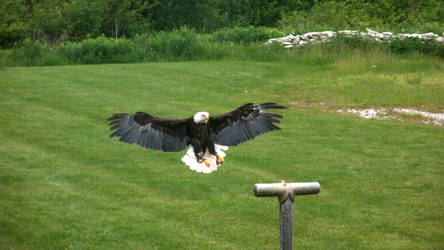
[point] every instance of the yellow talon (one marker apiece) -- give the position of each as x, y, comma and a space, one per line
207, 162
220, 160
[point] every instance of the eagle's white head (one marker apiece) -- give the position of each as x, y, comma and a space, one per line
201, 117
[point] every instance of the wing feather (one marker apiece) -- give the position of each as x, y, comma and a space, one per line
244, 123
148, 131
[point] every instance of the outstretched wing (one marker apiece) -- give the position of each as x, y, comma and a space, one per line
244, 123
148, 131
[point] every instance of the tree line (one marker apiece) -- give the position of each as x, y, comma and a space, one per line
57, 21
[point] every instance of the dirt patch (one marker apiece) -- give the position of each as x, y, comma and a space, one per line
402, 114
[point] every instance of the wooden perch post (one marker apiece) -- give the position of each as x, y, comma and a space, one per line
285, 193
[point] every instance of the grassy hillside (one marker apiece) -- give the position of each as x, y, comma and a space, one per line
65, 184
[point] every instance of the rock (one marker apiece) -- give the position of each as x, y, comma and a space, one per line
312, 37
330, 33
379, 36
371, 32
429, 36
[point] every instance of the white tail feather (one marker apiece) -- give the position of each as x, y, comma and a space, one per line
190, 159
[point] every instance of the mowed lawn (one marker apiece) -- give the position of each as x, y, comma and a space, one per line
65, 184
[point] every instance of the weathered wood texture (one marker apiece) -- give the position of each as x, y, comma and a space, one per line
286, 192
286, 225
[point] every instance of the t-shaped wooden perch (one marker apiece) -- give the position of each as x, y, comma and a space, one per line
286, 192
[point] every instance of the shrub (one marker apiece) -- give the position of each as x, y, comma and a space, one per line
413, 45
340, 42
12, 33
141, 47
28, 53
245, 34
181, 44
5, 58
98, 50
71, 51
185, 44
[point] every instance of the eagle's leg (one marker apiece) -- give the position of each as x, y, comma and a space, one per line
200, 158
212, 150
207, 162
199, 152
220, 160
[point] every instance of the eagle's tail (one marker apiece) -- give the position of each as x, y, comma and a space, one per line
190, 159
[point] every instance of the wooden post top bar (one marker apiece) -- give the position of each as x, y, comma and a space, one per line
286, 190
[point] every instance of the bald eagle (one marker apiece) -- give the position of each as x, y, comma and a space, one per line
207, 136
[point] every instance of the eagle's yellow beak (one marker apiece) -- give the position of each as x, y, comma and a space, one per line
207, 118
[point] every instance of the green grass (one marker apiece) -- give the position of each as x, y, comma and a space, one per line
65, 184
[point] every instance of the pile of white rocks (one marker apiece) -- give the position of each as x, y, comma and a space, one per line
291, 41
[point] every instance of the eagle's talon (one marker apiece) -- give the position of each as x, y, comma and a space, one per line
220, 160
207, 162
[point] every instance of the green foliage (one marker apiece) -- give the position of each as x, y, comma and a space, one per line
142, 48
331, 13
246, 12
57, 21
29, 53
181, 44
10, 34
47, 22
411, 45
342, 42
300, 23
13, 28
178, 44
245, 34
418, 27
81, 19
98, 50
32, 53
198, 14
125, 18
185, 44
400, 16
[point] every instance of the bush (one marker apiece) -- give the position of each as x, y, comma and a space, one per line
413, 45
98, 50
28, 53
71, 51
31, 53
341, 41
185, 44
12, 33
141, 47
245, 34
418, 27
300, 23
396, 46
179, 44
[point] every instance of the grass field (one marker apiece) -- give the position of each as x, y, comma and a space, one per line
65, 184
